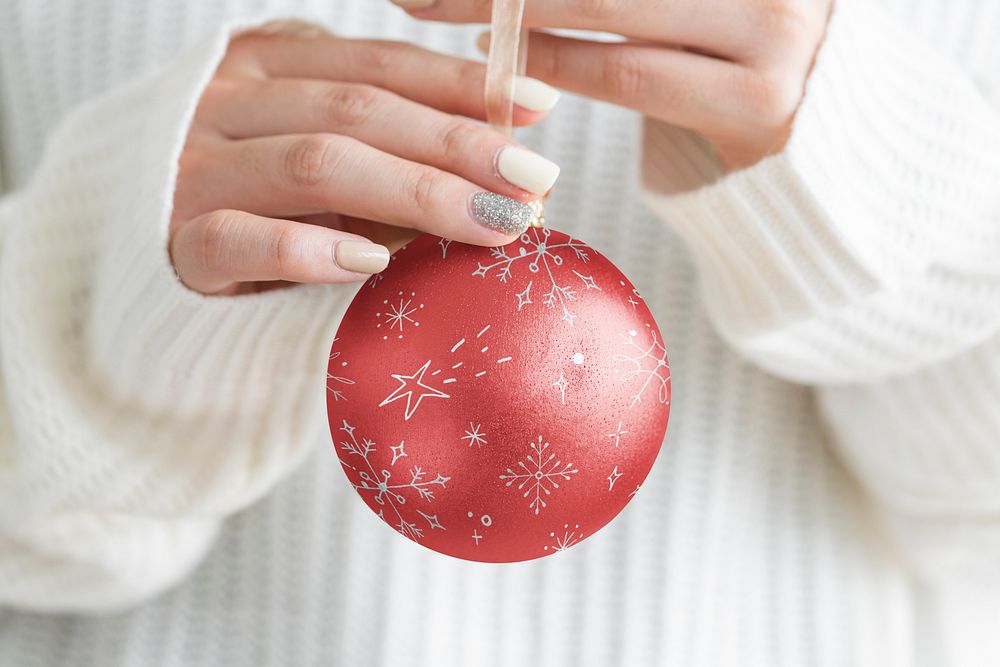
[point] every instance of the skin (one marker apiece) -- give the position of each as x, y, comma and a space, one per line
732, 70
299, 142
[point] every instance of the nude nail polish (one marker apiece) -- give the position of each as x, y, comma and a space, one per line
503, 214
414, 4
528, 171
530, 93
361, 256
533, 94
483, 42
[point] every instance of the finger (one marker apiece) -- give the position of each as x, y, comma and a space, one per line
386, 121
448, 83
391, 237
682, 88
293, 175
213, 252
725, 31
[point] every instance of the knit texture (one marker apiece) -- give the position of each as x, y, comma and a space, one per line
829, 489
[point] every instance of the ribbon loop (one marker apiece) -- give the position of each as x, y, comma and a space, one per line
507, 58
508, 46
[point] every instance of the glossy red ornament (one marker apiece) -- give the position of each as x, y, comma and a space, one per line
498, 404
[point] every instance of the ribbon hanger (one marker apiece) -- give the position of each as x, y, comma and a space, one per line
508, 47
507, 58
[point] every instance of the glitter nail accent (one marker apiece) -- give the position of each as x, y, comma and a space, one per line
503, 214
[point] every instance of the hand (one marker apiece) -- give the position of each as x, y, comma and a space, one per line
732, 70
305, 149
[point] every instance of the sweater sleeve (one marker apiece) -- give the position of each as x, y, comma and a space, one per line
862, 260
135, 413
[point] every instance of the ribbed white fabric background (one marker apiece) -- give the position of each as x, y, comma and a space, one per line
789, 509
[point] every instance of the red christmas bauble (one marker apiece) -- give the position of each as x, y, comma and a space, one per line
498, 404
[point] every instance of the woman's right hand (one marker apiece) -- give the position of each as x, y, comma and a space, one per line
306, 149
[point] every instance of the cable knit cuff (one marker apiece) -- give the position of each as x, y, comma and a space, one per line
158, 400
190, 353
853, 204
97, 563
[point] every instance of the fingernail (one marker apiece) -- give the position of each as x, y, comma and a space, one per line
361, 256
529, 93
503, 214
414, 4
528, 171
533, 94
483, 42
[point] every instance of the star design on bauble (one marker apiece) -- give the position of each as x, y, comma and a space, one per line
413, 389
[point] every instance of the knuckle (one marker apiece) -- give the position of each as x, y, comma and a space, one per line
310, 161
469, 76
421, 190
596, 10
455, 139
771, 98
214, 239
246, 54
786, 32
380, 55
348, 105
193, 162
781, 21
242, 47
624, 73
217, 90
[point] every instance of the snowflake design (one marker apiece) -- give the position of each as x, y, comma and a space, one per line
337, 394
646, 361
475, 436
568, 539
617, 435
561, 384
613, 477
633, 296
539, 474
397, 315
388, 493
543, 256
486, 520
444, 243
376, 277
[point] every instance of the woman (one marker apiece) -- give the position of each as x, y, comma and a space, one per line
814, 223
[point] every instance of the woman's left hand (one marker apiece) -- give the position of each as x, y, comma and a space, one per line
732, 70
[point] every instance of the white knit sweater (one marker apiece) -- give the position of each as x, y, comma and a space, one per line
829, 488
